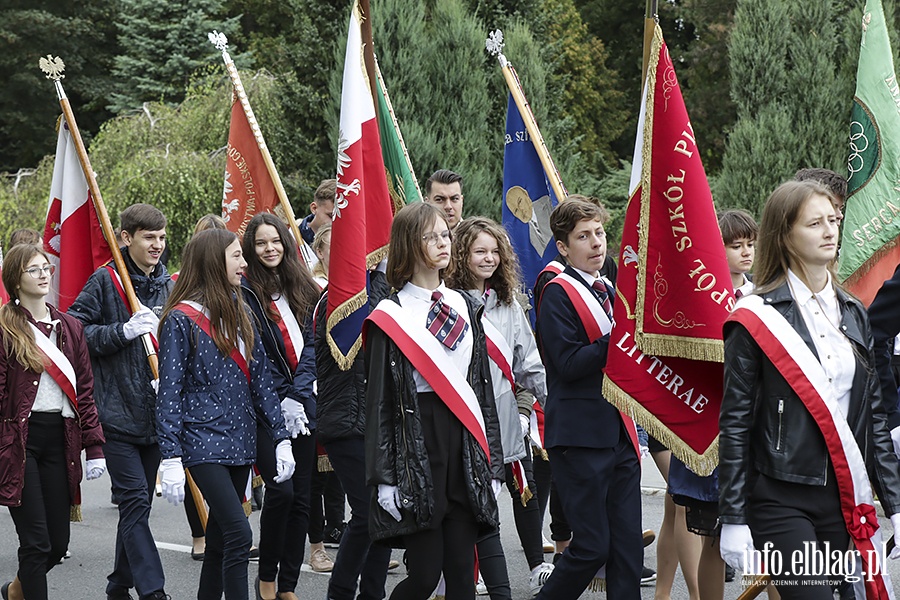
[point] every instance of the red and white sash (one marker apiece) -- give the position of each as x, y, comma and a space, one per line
798, 365
596, 325
117, 283
57, 365
554, 266
499, 351
427, 356
290, 331
199, 315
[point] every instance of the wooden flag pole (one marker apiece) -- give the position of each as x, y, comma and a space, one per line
651, 18
494, 45
53, 67
221, 43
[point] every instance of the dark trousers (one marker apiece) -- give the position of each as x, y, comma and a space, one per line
527, 516
789, 514
193, 517
548, 494
600, 491
132, 472
542, 476
327, 509
42, 520
228, 533
358, 557
285, 513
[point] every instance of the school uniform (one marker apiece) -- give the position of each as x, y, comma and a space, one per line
595, 465
207, 414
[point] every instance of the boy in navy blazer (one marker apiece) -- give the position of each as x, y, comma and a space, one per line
595, 466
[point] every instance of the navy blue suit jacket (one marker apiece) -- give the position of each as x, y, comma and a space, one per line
884, 316
577, 414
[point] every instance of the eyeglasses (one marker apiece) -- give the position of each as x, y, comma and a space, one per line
38, 272
431, 239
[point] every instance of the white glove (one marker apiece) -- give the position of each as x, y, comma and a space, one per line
141, 322
389, 500
171, 476
737, 550
497, 487
525, 423
94, 468
895, 437
154, 383
284, 461
295, 419
895, 521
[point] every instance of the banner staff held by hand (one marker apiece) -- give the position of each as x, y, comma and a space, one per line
221, 43
54, 67
494, 46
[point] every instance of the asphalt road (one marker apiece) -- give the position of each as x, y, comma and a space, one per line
83, 577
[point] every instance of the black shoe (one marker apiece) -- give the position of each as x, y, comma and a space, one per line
729, 573
556, 557
333, 538
120, 595
648, 575
254, 554
198, 556
4, 591
160, 595
256, 589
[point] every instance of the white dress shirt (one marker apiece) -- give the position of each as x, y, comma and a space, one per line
416, 303
823, 319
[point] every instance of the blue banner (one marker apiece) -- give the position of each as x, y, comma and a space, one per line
528, 200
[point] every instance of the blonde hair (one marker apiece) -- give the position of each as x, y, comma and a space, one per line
318, 244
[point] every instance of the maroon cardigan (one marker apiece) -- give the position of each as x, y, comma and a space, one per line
18, 390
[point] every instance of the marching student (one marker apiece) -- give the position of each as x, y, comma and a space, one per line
124, 392
593, 448
215, 386
484, 263
433, 450
47, 416
803, 443
281, 295
321, 245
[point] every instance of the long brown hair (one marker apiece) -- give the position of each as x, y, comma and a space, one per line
291, 278
774, 251
203, 280
505, 280
18, 339
406, 248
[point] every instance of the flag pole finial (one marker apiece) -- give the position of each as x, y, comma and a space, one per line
218, 40
494, 45
53, 67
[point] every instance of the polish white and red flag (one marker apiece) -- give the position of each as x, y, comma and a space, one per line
72, 234
363, 209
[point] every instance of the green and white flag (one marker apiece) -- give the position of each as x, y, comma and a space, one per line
401, 178
869, 249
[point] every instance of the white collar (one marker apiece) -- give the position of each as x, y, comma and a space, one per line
588, 278
421, 293
802, 294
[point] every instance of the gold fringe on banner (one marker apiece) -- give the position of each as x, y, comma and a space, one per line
701, 464
256, 481
525, 495
323, 464
657, 344
598, 584
341, 312
542, 453
75, 515
247, 508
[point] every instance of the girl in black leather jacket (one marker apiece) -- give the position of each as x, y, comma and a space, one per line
803, 438
433, 454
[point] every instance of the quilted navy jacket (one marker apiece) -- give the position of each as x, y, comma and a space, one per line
207, 411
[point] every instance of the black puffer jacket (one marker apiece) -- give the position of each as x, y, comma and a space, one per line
756, 437
342, 394
126, 401
395, 445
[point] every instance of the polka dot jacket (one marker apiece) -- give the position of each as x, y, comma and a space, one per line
207, 411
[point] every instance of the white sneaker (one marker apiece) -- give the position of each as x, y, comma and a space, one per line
480, 588
548, 545
539, 576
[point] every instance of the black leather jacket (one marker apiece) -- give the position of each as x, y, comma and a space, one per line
765, 428
395, 445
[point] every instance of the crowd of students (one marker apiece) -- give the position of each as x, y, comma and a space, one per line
439, 411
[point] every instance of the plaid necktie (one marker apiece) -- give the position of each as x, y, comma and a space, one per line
603, 294
444, 323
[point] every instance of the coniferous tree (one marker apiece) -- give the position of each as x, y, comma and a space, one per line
792, 110
163, 45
